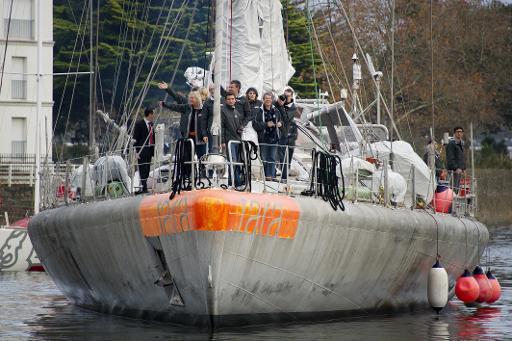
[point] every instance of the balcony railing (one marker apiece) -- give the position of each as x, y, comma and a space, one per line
19, 147
20, 28
19, 89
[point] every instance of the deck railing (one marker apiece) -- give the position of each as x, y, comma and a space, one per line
116, 178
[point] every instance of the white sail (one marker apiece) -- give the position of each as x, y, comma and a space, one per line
276, 66
254, 54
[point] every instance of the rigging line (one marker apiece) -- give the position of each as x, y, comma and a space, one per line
131, 58
6, 45
140, 63
207, 40
139, 40
128, 48
158, 63
124, 97
320, 52
120, 41
180, 56
339, 4
64, 89
129, 112
432, 70
230, 39
148, 45
392, 105
161, 51
338, 54
61, 156
271, 11
138, 71
127, 109
309, 25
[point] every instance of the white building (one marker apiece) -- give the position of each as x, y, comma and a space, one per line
18, 93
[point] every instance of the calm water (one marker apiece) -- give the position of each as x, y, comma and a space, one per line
31, 307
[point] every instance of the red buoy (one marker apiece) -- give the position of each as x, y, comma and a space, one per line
496, 287
483, 284
443, 199
466, 288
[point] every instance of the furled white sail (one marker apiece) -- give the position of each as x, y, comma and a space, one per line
276, 66
254, 48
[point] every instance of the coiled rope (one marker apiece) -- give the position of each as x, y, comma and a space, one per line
180, 178
247, 153
325, 180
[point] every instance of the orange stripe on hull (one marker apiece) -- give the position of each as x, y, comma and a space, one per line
219, 210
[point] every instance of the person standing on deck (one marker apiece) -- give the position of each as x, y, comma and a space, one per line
207, 118
268, 123
144, 136
431, 148
240, 101
189, 123
254, 104
455, 157
232, 126
287, 141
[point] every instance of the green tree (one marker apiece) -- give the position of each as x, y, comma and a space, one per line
305, 58
130, 36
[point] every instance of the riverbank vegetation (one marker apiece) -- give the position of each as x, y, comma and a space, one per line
495, 196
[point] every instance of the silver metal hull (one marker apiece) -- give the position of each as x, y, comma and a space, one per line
365, 259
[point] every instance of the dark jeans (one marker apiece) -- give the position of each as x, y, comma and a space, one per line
237, 169
268, 156
200, 150
285, 143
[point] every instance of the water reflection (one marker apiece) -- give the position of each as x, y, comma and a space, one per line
31, 307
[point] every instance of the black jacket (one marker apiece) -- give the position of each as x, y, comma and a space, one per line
254, 108
179, 98
206, 117
185, 119
455, 155
141, 137
259, 123
290, 129
241, 105
232, 124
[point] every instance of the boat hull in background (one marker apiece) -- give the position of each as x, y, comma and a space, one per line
16, 251
215, 257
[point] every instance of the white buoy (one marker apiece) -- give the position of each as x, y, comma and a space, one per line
437, 287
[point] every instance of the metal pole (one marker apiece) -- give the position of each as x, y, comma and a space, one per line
66, 182
413, 187
37, 188
216, 124
378, 100
386, 184
472, 151
92, 141
85, 170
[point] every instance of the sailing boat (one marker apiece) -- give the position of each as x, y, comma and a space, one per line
274, 252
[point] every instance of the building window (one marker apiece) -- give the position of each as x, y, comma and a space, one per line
22, 22
19, 135
19, 82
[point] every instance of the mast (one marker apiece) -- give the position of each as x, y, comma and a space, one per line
92, 141
38, 106
216, 124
